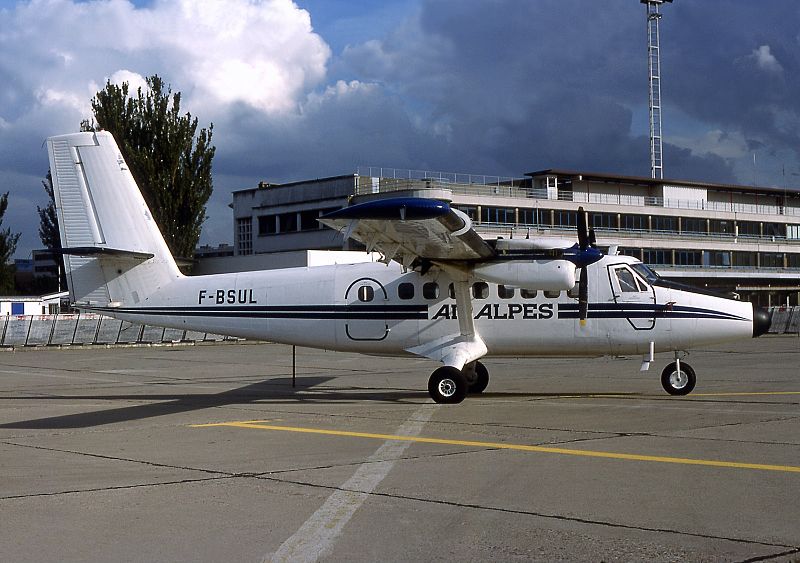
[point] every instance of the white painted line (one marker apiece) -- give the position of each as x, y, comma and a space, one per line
317, 536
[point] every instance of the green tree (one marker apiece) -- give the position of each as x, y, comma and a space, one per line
8, 245
48, 231
168, 158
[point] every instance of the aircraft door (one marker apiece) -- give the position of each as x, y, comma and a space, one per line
636, 297
365, 301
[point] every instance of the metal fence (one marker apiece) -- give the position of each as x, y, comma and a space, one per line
785, 320
88, 329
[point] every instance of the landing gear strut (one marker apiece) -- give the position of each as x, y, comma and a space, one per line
678, 378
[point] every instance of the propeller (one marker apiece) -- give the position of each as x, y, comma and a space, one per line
588, 254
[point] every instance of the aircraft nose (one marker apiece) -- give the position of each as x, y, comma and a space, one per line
761, 321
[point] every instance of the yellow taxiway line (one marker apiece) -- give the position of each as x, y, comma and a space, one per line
260, 425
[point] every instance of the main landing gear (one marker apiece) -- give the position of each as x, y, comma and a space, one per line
678, 378
448, 385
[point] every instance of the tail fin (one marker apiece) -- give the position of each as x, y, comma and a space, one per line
114, 254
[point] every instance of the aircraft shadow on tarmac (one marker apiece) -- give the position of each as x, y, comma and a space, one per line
275, 391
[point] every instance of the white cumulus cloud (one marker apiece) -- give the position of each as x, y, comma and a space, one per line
766, 60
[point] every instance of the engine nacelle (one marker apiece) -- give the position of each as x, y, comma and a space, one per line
549, 275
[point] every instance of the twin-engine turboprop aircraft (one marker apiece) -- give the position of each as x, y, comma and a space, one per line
442, 292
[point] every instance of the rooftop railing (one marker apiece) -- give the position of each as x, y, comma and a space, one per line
387, 180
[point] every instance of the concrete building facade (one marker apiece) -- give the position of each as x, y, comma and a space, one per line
731, 238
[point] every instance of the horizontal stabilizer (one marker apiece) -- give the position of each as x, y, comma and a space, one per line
95, 251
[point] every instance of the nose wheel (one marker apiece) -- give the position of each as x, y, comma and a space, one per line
678, 378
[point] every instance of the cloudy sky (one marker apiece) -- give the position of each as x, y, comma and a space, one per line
319, 87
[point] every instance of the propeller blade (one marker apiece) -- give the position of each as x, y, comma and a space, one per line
583, 296
583, 229
592, 238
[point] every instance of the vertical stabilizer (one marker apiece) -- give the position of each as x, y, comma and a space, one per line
114, 253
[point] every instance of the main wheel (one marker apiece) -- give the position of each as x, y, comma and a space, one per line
447, 385
481, 379
677, 382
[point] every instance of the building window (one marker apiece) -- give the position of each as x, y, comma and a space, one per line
430, 290
603, 220
405, 290
634, 222
657, 257
793, 260
627, 251
498, 215
716, 258
470, 211
744, 259
528, 216
266, 225
689, 258
244, 236
308, 220
771, 259
775, 230
287, 222
505, 292
665, 224
693, 225
748, 228
721, 227
565, 218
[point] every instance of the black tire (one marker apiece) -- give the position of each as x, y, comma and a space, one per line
675, 383
481, 380
447, 385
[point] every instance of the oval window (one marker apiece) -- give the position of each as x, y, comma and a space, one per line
366, 293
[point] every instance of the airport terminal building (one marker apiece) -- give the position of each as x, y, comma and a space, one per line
730, 238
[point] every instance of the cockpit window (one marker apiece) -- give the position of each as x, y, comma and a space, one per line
627, 283
645, 272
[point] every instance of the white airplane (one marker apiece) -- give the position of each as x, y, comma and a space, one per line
442, 292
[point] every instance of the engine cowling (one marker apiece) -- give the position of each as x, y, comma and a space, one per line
546, 275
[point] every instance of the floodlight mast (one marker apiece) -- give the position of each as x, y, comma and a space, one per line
654, 70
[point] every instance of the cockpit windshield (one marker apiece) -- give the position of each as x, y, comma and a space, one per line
645, 272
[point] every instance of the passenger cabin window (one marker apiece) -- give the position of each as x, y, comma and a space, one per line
451, 291
505, 292
366, 293
528, 293
405, 291
480, 290
430, 290
574, 292
552, 294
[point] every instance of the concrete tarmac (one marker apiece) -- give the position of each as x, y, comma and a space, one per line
207, 453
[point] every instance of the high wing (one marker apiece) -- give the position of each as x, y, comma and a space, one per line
408, 228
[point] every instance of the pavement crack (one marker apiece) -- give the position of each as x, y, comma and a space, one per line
119, 487
794, 551
119, 458
550, 516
